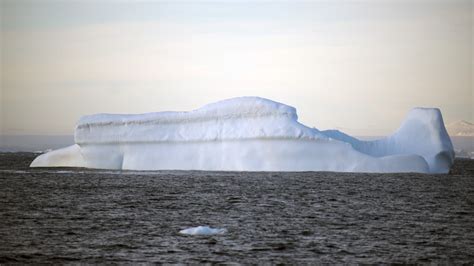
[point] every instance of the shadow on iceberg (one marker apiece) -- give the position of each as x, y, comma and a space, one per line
421, 133
249, 134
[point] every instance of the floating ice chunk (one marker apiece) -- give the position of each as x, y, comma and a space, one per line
203, 230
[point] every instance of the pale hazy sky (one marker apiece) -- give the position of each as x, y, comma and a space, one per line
357, 66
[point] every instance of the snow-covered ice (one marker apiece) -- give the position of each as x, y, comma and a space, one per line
203, 230
461, 129
250, 134
65, 157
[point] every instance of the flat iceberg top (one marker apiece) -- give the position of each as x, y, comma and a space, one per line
225, 109
232, 119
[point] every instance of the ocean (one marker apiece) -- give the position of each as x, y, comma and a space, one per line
63, 215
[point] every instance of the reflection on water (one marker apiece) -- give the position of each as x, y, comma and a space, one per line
64, 215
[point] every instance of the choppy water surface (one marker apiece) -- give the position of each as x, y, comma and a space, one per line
64, 215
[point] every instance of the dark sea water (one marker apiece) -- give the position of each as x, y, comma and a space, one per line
91, 216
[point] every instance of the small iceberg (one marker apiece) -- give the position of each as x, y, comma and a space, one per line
203, 230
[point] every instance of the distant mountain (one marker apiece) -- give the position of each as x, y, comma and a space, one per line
461, 129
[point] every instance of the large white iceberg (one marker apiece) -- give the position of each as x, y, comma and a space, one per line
249, 134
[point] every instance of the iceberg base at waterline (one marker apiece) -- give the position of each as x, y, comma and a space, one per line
249, 134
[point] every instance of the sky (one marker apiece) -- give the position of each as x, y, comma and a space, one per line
358, 66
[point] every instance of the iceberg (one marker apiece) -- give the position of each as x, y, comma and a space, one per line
249, 134
203, 230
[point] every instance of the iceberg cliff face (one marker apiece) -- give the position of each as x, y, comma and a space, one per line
233, 119
249, 134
